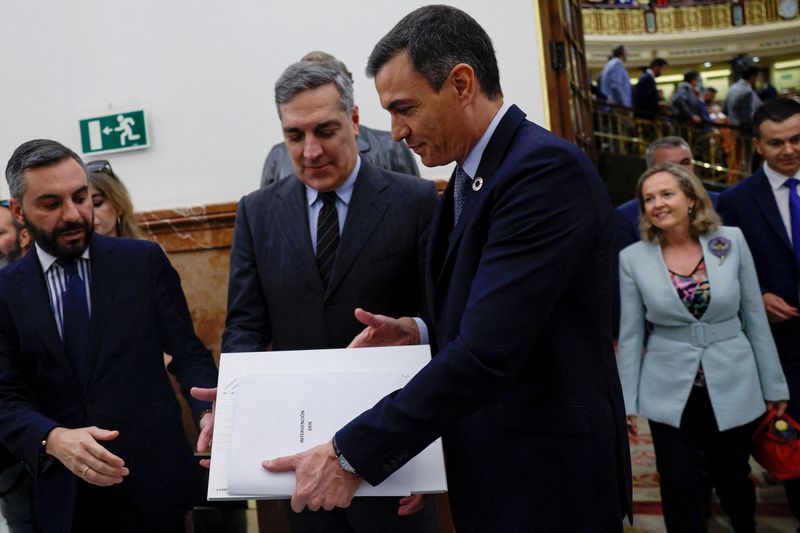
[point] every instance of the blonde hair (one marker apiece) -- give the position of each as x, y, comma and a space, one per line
115, 192
702, 217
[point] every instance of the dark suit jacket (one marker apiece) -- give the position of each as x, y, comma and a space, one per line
645, 96
751, 206
375, 146
275, 293
138, 313
524, 386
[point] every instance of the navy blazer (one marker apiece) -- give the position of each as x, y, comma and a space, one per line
751, 206
524, 386
275, 293
138, 313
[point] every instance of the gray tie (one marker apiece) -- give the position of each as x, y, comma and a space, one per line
459, 190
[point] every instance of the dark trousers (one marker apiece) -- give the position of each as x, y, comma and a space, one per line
696, 456
110, 509
366, 515
16, 503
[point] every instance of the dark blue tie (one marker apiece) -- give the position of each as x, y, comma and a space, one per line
327, 236
794, 209
459, 192
76, 319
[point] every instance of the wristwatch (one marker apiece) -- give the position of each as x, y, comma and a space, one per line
344, 463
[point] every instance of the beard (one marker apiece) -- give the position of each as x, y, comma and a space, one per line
49, 241
12, 255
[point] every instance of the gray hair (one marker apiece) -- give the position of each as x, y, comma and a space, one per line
664, 142
306, 75
34, 154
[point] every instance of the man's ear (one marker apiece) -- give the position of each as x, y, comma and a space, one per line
355, 120
464, 81
16, 209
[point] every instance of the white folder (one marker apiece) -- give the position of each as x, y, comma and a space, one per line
272, 404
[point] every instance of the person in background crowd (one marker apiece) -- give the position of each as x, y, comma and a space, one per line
615, 82
767, 91
766, 207
705, 368
646, 101
742, 100
686, 105
14, 239
113, 209
374, 146
84, 398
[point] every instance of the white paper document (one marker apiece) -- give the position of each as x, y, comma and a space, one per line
272, 404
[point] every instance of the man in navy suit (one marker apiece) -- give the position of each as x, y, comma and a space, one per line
646, 102
523, 385
84, 398
296, 279
766, 208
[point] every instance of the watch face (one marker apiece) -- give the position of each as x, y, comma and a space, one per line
787, 9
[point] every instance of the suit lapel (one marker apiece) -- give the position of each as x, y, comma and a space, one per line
32, 293
491, 159
367, 208
103, 288
765, 200
291, 218
663, 283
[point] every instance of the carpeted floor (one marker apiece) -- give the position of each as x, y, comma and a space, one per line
772, 516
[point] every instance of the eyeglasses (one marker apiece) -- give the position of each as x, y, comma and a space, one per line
101, 165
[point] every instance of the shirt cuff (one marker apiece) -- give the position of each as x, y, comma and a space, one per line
423, 330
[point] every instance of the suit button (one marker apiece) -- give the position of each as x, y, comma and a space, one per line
388, 468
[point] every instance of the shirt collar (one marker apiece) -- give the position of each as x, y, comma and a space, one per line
776, 179
470, 165
345, 190
47, 260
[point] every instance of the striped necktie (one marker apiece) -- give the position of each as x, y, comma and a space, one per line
327, 236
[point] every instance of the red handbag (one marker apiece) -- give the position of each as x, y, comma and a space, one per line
777, 448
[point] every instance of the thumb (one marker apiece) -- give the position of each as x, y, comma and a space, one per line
102, 434
281, 464
206, 395
366, 318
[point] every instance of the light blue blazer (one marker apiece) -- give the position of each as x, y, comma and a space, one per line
732, 339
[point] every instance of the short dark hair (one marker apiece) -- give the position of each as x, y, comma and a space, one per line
618, 51
658, 62
711, 89
437, 38
750, 72
691, 75
34, 154
775, 110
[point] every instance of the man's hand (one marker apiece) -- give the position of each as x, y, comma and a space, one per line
779, 406
777, 308
207, 422
79, 451
320, 481
385, 331
411, 504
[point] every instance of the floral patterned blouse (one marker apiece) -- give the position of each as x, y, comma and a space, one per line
694, 292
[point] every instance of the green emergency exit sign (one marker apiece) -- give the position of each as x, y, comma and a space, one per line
114, 133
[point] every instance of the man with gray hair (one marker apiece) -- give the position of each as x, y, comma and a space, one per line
307, 251
375, 146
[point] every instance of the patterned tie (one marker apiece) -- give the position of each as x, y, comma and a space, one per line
459, 190
76, 319
327, 236
794, 209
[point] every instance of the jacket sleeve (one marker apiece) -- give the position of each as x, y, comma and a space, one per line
247, 326
192, 363
630, 349
756, 326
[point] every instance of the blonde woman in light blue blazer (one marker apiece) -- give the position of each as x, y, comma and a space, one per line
696, 356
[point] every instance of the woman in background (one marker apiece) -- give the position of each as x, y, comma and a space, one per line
696, 355
113, 210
